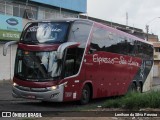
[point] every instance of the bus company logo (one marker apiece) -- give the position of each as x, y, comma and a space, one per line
12, 21
120, 60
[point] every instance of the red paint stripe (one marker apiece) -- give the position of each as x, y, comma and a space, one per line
34, 84
39, 47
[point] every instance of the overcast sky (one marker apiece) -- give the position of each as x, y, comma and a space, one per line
140, 12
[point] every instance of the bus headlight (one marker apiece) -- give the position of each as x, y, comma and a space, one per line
52, 88
14, 84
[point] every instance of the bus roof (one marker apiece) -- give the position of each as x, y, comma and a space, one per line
64, 20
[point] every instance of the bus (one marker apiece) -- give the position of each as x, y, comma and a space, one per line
79, 60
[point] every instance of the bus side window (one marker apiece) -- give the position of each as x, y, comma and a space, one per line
131, 47
135, 50
140, 49
72, 61
80, 32
99, 39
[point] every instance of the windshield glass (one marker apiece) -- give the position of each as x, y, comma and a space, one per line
37, 65
43, 32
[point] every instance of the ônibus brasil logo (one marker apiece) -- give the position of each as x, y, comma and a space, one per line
12, 21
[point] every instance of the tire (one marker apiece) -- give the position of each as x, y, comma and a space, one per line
85, 95
133, 88
139, 89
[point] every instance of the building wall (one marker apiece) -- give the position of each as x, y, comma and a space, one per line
75, 5
7, 62
154, 40
48, 13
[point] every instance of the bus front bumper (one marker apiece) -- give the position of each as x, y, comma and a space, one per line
44, 94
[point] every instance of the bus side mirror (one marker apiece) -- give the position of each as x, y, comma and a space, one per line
63, 46
5, 47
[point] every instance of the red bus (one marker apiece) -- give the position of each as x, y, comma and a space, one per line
78, 60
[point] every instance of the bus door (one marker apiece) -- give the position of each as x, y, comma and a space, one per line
71, 66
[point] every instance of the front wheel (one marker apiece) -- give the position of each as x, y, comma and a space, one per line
85, 97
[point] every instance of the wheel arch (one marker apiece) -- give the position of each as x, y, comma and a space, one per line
89, 83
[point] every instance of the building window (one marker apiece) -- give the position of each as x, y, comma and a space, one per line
157, 49
34, 12
2, 8
16, 10
9, 9
31, 12
50, 13
6, 8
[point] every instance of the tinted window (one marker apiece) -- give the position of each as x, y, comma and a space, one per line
80, 32
72, 61
103, 40
54, 32
16, 11
145, 51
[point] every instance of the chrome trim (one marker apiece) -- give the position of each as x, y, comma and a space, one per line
31, 89
38, 93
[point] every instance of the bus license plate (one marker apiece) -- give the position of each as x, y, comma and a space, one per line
31, 96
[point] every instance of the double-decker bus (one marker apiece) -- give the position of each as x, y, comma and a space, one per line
78, 60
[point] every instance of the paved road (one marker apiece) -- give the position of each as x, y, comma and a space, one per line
8, 103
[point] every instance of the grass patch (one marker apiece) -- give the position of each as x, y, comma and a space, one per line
135, 101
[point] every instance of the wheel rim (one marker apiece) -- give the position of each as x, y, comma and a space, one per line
85, 95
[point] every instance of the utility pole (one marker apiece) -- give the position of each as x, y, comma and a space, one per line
126, 18
147, 30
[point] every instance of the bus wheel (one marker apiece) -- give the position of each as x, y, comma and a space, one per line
133, 87
85, 97
139, 89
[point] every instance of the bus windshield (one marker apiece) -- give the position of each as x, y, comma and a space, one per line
45, 32
37, 65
